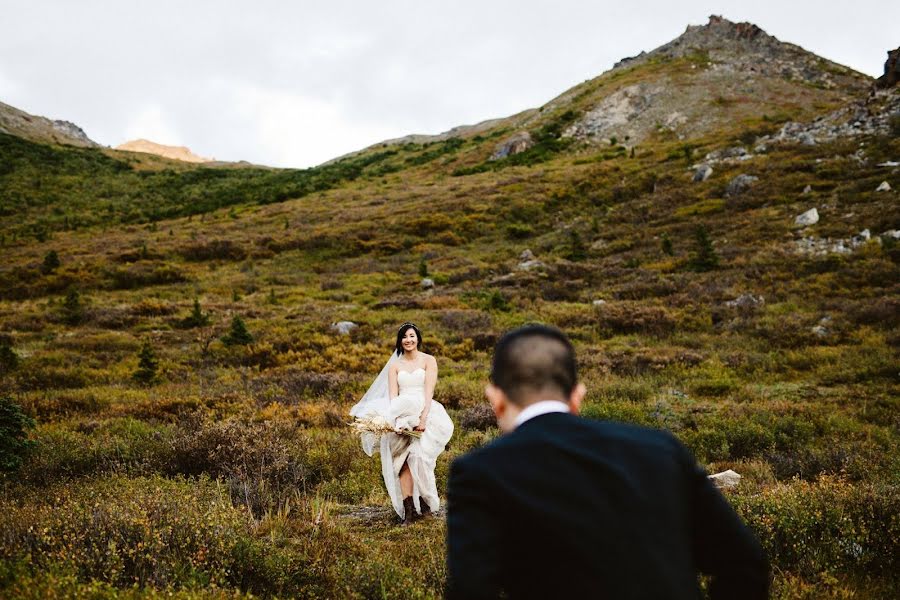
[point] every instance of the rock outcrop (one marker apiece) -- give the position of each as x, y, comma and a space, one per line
42, 130
891, 75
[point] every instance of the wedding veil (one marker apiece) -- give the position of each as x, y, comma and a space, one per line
376, 401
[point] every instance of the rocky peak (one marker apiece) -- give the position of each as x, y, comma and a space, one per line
891, 70
181, 153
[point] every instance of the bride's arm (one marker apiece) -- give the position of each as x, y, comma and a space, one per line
431, 374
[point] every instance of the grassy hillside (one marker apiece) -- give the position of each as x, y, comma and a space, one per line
227, 469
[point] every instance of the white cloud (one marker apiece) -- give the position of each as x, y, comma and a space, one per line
151, 123
299, 131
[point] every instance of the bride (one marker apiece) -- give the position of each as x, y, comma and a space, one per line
403, 395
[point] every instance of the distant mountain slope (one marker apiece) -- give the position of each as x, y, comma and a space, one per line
41, 129
714, 77
181, 153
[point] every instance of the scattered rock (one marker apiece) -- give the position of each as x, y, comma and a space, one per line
806, 139
810, 217
726, 479
530, 265
884, 186
702, 173
344, 327
740, 184
526, 255
890, 163
427, 283
861, 238
746, 302
735, 152
807, 189
515, 144
894, 234
599, 302
820, 331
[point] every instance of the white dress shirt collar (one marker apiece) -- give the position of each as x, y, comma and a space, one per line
541, 408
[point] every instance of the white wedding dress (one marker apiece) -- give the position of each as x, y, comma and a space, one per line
419, 453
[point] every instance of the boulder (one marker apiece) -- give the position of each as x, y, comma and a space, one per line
726, 479
735, 152
702, 173
344, 327
806, 139
807, 189
531, 265
520, 142
884, 186
740, 184
810, 217
598, 302
427, 283
526, 255
746, 302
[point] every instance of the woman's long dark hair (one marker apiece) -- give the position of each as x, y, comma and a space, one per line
402, 332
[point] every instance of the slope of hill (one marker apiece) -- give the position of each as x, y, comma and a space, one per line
181, 153
697, 299
40, 129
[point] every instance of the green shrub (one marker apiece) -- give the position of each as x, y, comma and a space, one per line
51, 262
704, 257
829, 526
14, 442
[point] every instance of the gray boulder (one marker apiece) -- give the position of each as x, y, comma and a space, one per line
702, 173
810, 217
514, 144
427, 283
807, 189
740, 184
746, 302
344, 327
884, 186
726, 479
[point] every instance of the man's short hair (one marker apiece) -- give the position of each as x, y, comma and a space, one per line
534, 359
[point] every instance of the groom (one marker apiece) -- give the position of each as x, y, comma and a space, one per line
565, 507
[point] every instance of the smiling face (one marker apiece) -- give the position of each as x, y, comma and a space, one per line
409, 340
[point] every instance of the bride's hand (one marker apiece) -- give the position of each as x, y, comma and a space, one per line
419, 428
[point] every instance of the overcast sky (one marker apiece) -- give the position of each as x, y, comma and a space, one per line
297, 83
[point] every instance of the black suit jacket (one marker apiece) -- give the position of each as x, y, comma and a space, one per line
566, 507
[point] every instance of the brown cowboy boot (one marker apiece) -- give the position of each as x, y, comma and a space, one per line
424, 509
409, 511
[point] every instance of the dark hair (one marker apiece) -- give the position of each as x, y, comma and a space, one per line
402, 331
534, 358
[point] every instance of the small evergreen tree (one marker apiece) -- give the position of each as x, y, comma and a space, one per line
197, 318
72, 308
423, 268
238, 335
576, 250
704, 257
9, 360
148, 365
14, 442
666, 245
51, 262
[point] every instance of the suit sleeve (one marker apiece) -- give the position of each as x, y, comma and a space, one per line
472, 535
724, 547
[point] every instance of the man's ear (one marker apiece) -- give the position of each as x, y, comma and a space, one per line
497, 399
576, 397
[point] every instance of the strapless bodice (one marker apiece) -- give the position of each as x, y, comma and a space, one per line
411, 381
